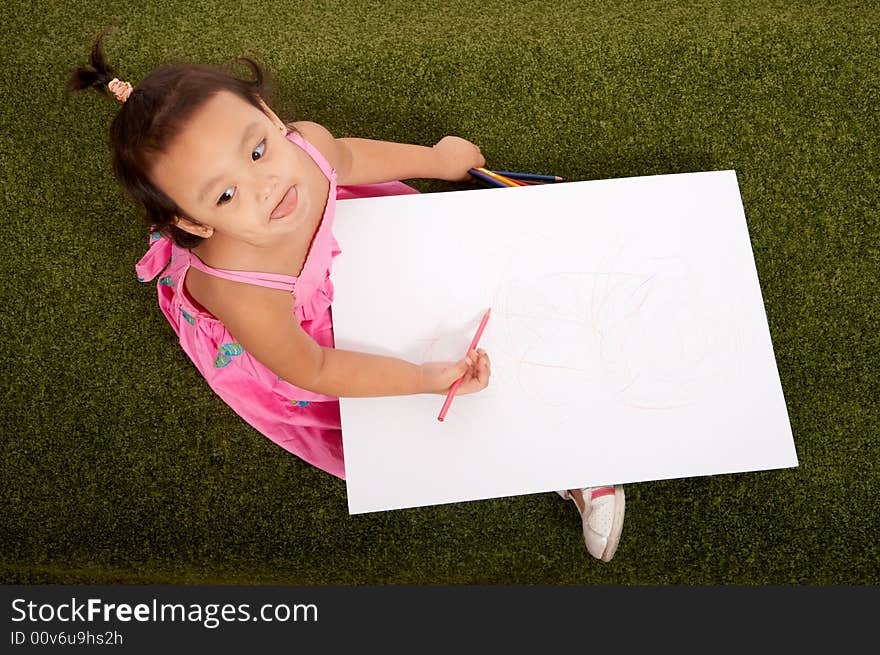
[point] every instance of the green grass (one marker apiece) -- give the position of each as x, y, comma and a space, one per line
120, 465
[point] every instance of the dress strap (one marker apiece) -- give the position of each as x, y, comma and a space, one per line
313, 152
273, 280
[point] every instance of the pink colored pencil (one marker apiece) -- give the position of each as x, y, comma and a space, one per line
458, 382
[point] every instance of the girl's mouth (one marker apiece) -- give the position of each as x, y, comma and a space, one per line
287, 205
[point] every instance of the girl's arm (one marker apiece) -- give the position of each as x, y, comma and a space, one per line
351, 374
365, 161
264, 324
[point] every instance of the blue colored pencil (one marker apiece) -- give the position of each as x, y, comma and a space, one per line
529, 176
491, 181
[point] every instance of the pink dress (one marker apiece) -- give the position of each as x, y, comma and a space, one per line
303, 422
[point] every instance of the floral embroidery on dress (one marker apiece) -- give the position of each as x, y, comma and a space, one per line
299, 403
167, 280
226, 351
189, 319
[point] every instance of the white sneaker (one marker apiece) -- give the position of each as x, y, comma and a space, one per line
602, 519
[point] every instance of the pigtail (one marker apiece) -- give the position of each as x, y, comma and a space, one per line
98, 76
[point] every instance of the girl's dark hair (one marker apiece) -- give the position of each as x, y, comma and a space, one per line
157, 110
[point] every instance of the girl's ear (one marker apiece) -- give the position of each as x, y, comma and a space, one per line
203, 231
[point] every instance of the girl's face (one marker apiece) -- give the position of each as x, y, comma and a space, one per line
231, 167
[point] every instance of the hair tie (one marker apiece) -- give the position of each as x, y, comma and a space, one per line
120, 88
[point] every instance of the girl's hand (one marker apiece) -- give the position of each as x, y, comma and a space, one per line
438, 377
455, 156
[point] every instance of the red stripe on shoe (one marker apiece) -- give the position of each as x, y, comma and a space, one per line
602, 491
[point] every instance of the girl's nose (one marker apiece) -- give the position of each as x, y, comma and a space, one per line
269, 188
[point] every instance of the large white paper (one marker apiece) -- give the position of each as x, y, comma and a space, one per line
628, 338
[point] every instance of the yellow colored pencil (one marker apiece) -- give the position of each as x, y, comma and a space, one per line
504, 180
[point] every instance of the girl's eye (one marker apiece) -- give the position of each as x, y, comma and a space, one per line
261, 144
223, 195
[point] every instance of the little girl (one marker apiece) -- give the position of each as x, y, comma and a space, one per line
241, 207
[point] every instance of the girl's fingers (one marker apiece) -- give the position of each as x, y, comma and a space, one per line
482, 370
477, 371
